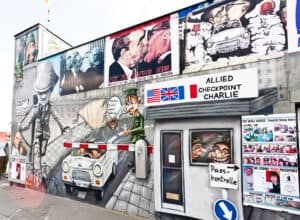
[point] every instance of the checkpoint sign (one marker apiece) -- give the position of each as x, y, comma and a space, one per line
223, 175
225, 210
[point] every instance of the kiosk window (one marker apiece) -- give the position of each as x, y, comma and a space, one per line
171, 150
172, 183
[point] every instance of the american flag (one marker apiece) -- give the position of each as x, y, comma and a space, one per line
165, 94
153, 95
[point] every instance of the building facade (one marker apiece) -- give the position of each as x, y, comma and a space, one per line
168, 116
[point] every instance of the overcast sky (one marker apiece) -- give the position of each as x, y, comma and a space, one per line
75, 21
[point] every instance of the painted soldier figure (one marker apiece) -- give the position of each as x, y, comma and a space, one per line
137, 131
132, 102
38, 117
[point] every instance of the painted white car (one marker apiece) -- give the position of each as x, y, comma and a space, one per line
228, 37
89, 169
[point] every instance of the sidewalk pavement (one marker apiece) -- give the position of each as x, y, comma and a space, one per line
21, 203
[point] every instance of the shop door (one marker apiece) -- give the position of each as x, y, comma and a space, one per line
172, 170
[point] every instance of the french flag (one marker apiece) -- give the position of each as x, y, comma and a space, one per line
193, 91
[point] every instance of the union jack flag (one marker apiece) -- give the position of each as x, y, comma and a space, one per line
165, 94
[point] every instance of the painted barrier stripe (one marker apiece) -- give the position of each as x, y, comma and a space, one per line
119, 147
93, 146
102, 146
131, 147
150, 149
83, 145
75, 145
68, 145
123, 147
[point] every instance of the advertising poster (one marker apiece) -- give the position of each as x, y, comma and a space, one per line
293, 15
146, 51
26, 52
270, 162
225, 33
82, 68
17, 169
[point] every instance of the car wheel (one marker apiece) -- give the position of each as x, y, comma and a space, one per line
114, 170
68, 188
99, 194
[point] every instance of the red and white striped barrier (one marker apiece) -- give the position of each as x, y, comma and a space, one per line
119, 147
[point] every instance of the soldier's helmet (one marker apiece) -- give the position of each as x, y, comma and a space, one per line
46, 77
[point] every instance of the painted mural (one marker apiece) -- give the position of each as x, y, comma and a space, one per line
26, 52
76, 135
99, 128
82, 69
142, 52
50, 44
231, 31
293, 21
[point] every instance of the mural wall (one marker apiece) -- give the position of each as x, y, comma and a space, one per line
42, 155
79, 115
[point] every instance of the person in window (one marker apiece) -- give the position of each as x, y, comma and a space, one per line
248, 178
96, 154
18, 171
275, 180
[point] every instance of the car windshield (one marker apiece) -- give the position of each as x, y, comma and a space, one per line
227, 25
90, 153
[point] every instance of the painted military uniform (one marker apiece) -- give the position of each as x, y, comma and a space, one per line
137, 131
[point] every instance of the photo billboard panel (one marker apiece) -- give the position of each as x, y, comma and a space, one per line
223, 33
143, 52
270, 170
81, 69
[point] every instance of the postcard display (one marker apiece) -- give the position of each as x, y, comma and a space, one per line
270, 162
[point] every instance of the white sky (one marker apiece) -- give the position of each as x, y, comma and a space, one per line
75, 21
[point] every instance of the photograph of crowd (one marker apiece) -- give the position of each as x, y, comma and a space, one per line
270, 148
280, 132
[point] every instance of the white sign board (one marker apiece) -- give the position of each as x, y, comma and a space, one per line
233, 84
223, 175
